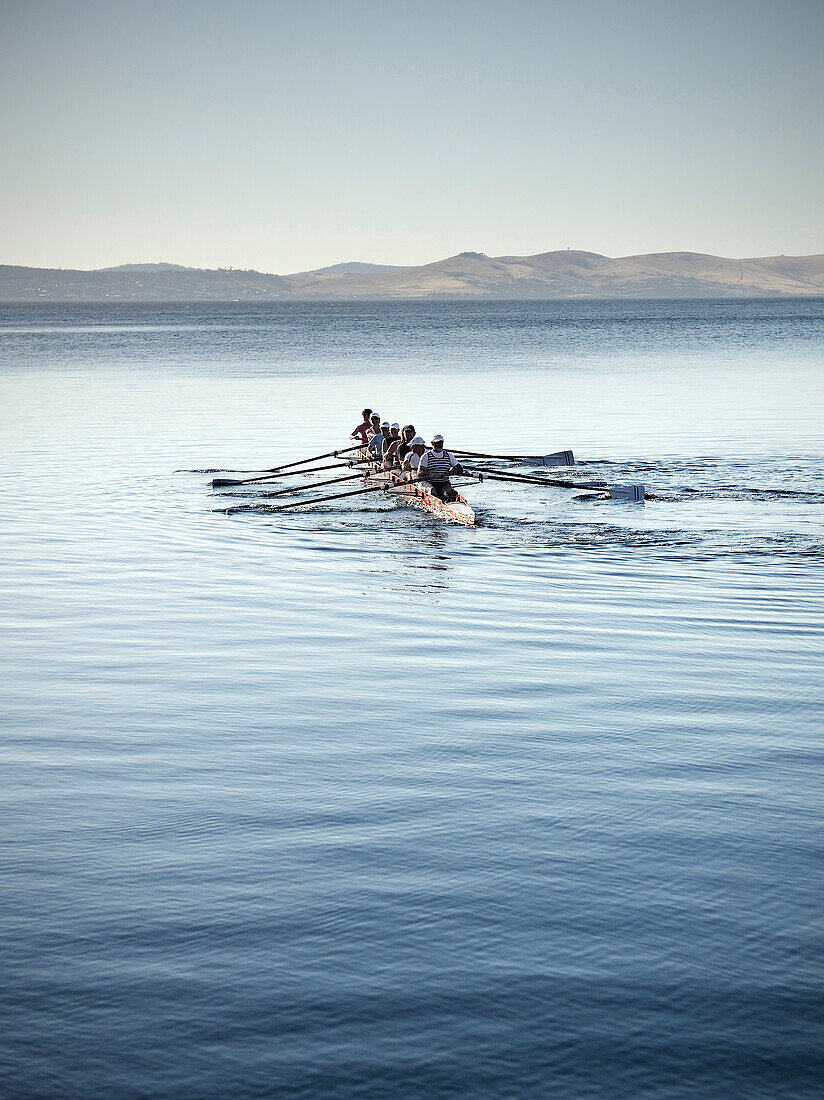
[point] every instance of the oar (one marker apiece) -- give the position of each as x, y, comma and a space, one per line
617, 492
340, 465
314, 485
321, 500
559, 458
220, 481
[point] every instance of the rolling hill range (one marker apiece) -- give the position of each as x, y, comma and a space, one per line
137, 283
567, 274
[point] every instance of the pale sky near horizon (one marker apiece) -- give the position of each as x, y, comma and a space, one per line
284, 136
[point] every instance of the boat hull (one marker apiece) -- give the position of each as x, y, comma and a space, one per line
456, 511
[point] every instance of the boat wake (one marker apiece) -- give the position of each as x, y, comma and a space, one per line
700, 507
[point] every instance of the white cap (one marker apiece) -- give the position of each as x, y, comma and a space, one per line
437, 439
375, 416
396, 425
417, 442
384, 423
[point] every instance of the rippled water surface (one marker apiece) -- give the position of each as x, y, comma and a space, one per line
350, 802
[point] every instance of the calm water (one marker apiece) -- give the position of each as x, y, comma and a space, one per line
352, 803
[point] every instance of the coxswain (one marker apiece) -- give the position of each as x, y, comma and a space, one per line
390, 447
437, 465
362, 430
413, 456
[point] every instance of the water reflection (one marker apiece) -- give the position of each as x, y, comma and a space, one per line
423, 557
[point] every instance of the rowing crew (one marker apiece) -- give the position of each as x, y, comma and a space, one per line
402, 450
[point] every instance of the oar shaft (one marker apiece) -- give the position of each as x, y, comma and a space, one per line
383, 488
267, 474
315, 458
310, 470
554, 482
557, 458
337, 496
617, 492
220, 482
479, 454
314, 485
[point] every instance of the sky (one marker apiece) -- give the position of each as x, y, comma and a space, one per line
287, 136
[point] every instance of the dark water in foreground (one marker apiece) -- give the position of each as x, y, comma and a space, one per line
353, 803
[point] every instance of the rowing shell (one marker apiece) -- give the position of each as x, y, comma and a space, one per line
458, 511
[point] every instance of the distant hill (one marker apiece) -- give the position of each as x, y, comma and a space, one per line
147, 268
549, 275
572, 274
172, 284
353, 268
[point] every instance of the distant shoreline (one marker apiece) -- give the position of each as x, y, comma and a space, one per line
469, 276
441, 300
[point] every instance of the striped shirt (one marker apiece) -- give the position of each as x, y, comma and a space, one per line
437, 465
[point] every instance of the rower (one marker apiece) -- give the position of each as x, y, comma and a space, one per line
413, 457
373, 430
362, 430
390, 447
437, 465
379, 437
405, 445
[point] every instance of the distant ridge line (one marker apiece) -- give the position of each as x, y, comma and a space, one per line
566, 274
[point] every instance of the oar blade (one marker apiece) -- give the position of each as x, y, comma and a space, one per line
627, 493
220, 482
559, 458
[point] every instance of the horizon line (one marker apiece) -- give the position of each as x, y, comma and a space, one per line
115, 268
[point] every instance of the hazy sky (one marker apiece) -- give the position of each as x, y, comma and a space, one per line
285, 136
